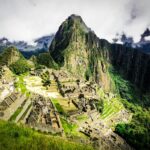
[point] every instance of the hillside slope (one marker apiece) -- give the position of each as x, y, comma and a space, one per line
19, 137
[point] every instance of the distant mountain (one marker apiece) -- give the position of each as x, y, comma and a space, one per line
10, 55
144, 43
40, 45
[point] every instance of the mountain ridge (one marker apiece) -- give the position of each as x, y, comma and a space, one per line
92, 56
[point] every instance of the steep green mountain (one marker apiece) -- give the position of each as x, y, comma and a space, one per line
46, 60
133, 64
12, 58
123, 85
10, 55
78, 49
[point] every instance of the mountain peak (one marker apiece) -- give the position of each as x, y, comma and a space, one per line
76, 21
72, 46
72, 32
75, 17
10, 55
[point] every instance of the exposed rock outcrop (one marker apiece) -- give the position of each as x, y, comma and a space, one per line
133, 64
78, 49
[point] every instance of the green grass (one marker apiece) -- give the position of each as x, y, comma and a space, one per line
24, 114
13, 137
81, 117
137, 131
110, 106
20, 85
58, 107
69, 128
13, 117
126, 90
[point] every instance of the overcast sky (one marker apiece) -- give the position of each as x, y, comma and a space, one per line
29, 19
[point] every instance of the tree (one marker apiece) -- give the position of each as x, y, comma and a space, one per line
46, 79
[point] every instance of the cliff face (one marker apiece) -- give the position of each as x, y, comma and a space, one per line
77, 48
133, 64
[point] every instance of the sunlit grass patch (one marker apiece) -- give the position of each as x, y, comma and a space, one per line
111, 107
13, 137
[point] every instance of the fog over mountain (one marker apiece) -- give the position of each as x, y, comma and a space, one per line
28, 19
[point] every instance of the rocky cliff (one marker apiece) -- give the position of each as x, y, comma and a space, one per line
133, 64
77, 48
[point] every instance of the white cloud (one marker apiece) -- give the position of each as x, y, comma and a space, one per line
29, 19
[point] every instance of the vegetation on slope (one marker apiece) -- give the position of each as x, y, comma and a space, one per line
19, 67
46, 79
20, 84
14, 60
137, 132
19, 137
59, 107
46, 60
9, 56
69, 128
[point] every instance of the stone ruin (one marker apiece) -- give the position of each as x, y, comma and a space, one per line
98, 131
6, 103
43, 115
81, 93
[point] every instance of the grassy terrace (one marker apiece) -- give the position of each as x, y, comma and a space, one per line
20, 85
13, 137
82, 117
62, 105
69, 128
111, 106
17, 112
72, 130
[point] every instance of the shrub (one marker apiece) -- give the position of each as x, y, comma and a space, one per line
19, 67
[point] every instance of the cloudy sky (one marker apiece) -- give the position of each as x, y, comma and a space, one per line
29, 19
